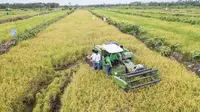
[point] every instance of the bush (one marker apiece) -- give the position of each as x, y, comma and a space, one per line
196, 55
175, 47
130, 29
164, 50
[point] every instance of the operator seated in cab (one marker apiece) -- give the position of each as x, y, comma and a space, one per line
114, 59
117, 57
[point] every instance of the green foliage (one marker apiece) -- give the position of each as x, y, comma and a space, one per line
196, 55
8, 9
129, 29
175, 47
164, 50
29, 5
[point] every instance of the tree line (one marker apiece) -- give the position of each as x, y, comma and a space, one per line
178, 3
181, 3
28, 5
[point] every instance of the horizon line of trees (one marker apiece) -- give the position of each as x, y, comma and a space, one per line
29, 5
184, 3
178, 3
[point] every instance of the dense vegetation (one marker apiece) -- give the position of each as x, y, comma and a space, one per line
150, 5
29, 5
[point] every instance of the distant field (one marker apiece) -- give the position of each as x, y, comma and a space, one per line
17, 12
164, 10
174, 17
24, 25
188, 36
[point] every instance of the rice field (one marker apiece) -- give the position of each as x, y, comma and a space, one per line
23, 25
93, 91
47, 73
173, 32
17, 12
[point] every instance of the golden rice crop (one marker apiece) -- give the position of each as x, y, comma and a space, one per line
92, 91
47, 98
28, 67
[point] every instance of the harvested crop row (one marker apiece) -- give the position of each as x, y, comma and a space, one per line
24, 25
29, 67
48, 100
175, 33
93, 91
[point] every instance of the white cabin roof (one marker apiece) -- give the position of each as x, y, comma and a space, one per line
112, 48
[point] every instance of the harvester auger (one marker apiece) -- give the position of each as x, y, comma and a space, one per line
124, 72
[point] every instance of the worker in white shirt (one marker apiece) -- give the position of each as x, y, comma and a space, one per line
96, 58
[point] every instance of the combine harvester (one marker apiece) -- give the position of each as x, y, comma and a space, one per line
125, 73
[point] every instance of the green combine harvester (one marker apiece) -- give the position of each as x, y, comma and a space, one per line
125, 73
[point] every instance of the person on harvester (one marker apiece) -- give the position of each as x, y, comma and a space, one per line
114, 59
108, 64
96, 58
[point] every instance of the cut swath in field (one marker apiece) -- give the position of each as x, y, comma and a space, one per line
49, 99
